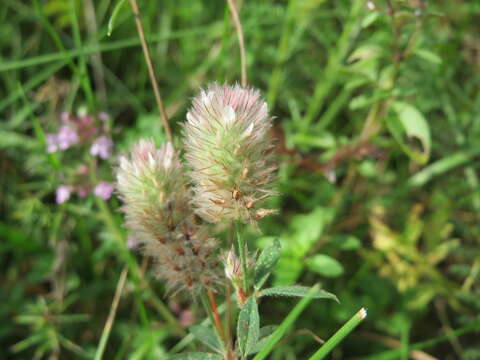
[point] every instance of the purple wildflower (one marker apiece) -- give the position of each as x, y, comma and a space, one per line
63, 193
103, 190
186, 318
65, 117
66, 137
132, 242
82, 192
102, 147
103, 116
52, 145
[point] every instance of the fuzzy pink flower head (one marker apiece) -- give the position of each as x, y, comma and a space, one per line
63, 193
102, 147
228, 147
103, 190
153, 188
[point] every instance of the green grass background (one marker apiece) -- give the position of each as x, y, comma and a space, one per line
377, 126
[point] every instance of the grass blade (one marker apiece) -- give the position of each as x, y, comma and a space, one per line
287, 322
340, 335
111, 21
111, 315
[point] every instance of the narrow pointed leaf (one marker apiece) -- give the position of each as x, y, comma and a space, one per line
286, 323
116, 11
196, 356
206, 335
248, 327
297, 291
265, 334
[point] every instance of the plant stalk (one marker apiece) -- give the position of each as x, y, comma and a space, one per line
243, 257
111, 315
241, 41
210, 305
151, 71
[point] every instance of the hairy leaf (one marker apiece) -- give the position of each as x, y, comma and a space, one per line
206, 335
265, 263
297, 291
196, 356
248, 327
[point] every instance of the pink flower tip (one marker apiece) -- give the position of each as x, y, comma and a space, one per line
65, 116
103, 190
63, 193
102, 147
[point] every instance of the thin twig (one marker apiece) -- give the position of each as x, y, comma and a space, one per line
97, 64
111, 316
151, 71
241, 42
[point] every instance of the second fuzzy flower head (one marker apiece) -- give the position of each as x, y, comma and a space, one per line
229, 150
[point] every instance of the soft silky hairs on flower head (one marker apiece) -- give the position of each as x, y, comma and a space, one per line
228, 148
152, 185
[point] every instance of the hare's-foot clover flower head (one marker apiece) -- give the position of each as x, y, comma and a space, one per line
228, 147
156, 199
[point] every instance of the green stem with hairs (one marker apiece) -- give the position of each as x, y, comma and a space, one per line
243, 256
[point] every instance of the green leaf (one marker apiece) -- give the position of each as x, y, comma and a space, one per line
288, 270
196, 356
206, 335
408, 121
113, 18
325, 265
286, 323
248, 327
429, 56
265, 335
346, 242
305, 231
11, 139
366, 51
265, 263
297, 291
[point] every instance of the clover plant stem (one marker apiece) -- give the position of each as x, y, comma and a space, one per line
210, 305
243, 256
346, 329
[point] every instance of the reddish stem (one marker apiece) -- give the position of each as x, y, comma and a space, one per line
216, 316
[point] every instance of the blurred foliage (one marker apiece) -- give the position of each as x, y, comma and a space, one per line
377, 106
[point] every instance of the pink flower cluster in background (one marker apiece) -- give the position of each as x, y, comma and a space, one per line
102, 147
86, 132
62, 140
